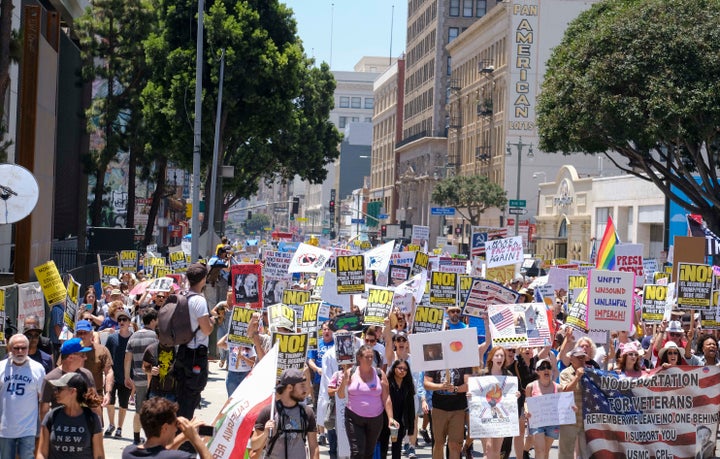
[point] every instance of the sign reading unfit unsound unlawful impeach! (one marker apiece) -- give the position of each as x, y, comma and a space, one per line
610, 299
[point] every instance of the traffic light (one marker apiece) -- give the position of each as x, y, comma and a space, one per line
331, 206
249, 216
383, 230
295, 205
458, 229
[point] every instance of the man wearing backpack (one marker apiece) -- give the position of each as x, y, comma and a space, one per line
284, 436
192, 358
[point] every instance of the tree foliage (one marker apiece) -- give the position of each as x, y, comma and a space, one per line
640, 77
256, 223
471, 195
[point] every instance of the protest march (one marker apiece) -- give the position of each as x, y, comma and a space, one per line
369, 351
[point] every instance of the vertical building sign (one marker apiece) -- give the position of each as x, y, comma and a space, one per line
524, 67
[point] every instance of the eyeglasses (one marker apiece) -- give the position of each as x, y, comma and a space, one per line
19, 348
401, 368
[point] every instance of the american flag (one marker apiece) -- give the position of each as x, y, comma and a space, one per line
712, 240
503, 319
620, 417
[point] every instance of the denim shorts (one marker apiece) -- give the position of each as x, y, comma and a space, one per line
549, 431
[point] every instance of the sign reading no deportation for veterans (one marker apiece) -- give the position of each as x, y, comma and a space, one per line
694, 286
443, 289
653, 306
428, 319
506, 251
610, 299
378, 305
292, 350
239, 322
350, 274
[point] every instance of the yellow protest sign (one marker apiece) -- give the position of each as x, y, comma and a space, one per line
51, 283
443, 289
128, 261
108, 272
694, 286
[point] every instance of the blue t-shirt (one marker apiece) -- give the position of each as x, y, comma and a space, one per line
56, 318
317, 354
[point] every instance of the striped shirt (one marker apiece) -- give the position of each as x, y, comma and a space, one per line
138, 342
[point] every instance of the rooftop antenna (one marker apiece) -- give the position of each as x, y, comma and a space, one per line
392, 20
332, 19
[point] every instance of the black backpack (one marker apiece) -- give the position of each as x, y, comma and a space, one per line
279, 422
174, 326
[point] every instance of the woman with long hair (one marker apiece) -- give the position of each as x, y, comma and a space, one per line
93, 313
670, 356
496, 366
367, 398
402, 397
628, 364
73, 415
543, 437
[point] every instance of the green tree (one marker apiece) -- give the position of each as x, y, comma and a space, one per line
640, 77
111, 33
274, 123
471, 195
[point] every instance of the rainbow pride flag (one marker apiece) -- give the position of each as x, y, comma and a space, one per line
606, 252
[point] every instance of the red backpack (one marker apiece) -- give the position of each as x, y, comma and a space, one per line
174, 320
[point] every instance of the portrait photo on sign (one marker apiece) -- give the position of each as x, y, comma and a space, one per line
246, 287
345, 348
445, 349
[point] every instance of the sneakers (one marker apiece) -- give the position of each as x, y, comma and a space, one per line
118, 433
109, 431
139, 441
411, 453
426, 436
322, 440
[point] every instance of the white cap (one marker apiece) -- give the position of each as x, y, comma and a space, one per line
115, 282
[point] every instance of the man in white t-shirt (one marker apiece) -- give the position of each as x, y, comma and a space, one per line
192, 358
20, 389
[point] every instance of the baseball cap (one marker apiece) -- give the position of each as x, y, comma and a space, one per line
631, 347
83, 325
290, 376
30, 328
115, 291
541, 361
115, 282
66, 380
72, 346
121, 313
577, 352
400, 334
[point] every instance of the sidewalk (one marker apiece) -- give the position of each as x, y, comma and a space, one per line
214, 397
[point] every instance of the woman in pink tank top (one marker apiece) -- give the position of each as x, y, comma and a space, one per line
367, 398
542, 436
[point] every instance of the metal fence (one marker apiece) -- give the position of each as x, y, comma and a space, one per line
82, 265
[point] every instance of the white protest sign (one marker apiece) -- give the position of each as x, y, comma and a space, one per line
551, 410
610, 300
629, 258
503, 252
493, 406
444, 349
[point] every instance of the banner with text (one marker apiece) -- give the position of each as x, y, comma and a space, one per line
610, 300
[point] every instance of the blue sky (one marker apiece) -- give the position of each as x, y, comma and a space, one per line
360, 28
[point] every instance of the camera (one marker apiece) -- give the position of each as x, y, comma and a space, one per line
206, 431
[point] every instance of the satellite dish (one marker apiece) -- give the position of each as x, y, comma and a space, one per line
18, 193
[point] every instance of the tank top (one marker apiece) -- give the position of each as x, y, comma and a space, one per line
365, 398
536, 388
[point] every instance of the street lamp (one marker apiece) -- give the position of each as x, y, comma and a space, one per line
519, 145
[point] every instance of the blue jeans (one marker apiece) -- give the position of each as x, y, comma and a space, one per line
331, 435
24, 447
233, 380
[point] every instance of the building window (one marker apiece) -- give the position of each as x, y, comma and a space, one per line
355, 102
449, 66
369, 103
480, 8
368, 119
601, 217
453, 32
454, 7
355, 119
344, 102
467, 8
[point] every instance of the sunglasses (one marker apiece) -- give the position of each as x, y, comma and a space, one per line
401, 339
675, 334
672, 353
512, 351
632, 354
544, 367
160, 297
123, 319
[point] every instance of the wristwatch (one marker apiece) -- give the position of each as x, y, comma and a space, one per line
455, 389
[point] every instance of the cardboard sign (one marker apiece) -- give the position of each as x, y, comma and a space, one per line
506, 251
345, 348
128, 261
51, 283
483, 293
309, 259
246, 282
161, 271
628, 258
292, 350
694, 286
577, 313
239, 321
420, 263
178, 261
444, 349
610, 299
428, 319
654, 300
443, 289
493, 406
281, 316
162, 284
350, 274
308, 322
108, 272
397, 275
508, 325
551, 409
276, 265
72, 302
420, 235
379, 303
